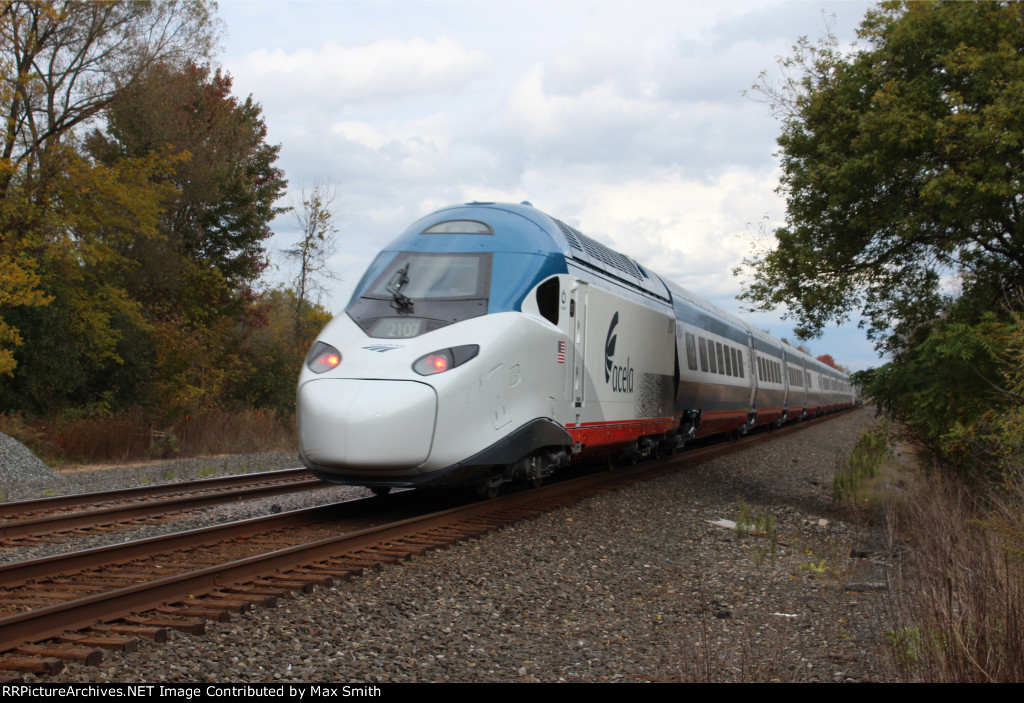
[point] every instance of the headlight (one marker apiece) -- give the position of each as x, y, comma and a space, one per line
322, 357
444, 359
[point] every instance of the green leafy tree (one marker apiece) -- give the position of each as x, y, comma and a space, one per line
226, 182
959, 390
902, 166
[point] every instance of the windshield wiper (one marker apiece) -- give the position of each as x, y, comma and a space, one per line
403, 301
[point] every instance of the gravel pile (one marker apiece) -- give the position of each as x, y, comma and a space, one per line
19, 466
634, 586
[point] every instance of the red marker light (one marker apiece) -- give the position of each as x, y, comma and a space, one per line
444, 359
436, 362
322, 357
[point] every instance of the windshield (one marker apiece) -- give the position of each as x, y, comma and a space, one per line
434, 277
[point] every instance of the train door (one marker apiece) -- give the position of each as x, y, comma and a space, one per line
578, 317
750, 363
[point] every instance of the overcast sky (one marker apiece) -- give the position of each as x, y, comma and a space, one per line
624, 118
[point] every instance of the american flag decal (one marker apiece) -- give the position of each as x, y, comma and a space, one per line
561, 352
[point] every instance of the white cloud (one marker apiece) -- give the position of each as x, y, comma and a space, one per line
623, 118
691, 231
331, 77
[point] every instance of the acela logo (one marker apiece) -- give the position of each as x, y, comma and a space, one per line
621, 377
609, 347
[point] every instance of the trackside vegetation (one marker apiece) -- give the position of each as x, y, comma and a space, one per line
903, 172
902, 167
136, 194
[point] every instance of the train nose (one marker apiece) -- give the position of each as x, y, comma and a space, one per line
363, 424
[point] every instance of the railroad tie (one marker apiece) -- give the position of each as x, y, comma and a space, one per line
192, 626
284, 582
90, 656
156, 633
198, 612
31, 665
227, 602
115, 643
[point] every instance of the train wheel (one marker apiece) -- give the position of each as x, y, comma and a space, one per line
609, 462
488, 489
380, 490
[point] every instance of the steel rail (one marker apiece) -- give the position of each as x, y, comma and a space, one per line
223, 490
49, 621
114, 514
13, 509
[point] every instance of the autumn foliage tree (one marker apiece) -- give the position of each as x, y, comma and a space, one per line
196, 276
63, 216
136, 194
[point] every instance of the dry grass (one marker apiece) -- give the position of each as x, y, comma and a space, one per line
960, 615
235, 433
131, 437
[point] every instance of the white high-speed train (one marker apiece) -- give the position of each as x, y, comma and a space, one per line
491, 342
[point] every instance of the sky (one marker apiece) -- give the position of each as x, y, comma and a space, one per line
626, 119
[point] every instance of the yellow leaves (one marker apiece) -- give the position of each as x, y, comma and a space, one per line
19, 285
108, 205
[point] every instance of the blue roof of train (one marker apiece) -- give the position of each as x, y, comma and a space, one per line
517, 228
525, 230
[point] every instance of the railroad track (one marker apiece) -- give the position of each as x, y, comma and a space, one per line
106, 597
47, 519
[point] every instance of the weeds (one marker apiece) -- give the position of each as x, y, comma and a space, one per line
820, 568
761, 522
961, 618
863, 465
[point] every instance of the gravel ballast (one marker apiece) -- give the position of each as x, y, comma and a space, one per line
632, 586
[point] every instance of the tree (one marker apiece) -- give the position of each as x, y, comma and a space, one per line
958, 389
75, 250
274, 352
317, 244
902, 167
226, 180
195, 279
61, 215
68, 60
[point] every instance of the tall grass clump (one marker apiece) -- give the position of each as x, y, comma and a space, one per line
960, 614
863, 464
